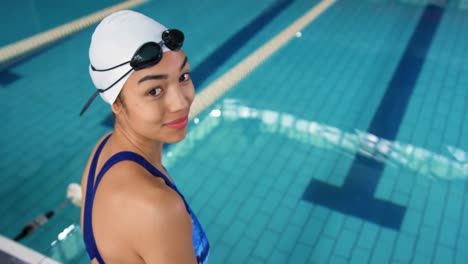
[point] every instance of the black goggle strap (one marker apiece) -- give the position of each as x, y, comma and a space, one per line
91, 99
108, 69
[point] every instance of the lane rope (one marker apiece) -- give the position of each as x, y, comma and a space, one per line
30, 44
224, 83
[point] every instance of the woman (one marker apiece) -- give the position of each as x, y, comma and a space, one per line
137, 215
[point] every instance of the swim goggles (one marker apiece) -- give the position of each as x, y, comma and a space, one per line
147, 55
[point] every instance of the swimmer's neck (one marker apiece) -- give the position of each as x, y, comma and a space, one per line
124, 140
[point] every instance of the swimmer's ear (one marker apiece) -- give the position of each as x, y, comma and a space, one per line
117, 107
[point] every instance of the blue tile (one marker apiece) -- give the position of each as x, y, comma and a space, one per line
444, 254
433, 214
382, 252
404, 249
334, 224
280, 219
228, 213
301, 213
428, 233
215, 232
255, 228
454, 207
360, 256
400, 198
321, 212
462, 239
387, 236
411, 224
353, 223
448, 233
418, 258
323, 250
368, 236
277, 258
219, 252
338, 260
241, 251
234, 232
424, 247
271, 202
249, 208
255, 260
262, 189
312, 231
201, 200
345, 244
289, 202
219, 198
417, 199
404, 186
300, 254
461, 256
265, 244
289, 238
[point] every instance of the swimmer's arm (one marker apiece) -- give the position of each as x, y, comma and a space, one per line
163, 232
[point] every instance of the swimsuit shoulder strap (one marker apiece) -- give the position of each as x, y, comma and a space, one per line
88, 234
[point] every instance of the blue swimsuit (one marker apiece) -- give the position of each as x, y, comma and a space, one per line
199, 239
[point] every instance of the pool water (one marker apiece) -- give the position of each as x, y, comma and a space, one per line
347, 145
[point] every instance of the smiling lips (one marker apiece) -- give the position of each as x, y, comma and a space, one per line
178, 123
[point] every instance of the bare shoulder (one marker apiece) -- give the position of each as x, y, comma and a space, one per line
132, 190
132, 183
148, 215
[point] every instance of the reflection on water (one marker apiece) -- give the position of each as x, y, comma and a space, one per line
452, 166
69, 246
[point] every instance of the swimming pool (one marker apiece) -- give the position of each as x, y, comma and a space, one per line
39, 16
346, 145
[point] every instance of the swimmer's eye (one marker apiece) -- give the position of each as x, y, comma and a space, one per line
184, 77
155, 91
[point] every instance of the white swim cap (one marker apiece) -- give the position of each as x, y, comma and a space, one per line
114, 42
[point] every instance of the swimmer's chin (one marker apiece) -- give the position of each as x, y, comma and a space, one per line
176, 138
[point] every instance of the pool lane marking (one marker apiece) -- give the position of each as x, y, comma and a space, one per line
229, 47
30, 44
356, 196
228, 80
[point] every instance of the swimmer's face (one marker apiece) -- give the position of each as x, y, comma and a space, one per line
156, 100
